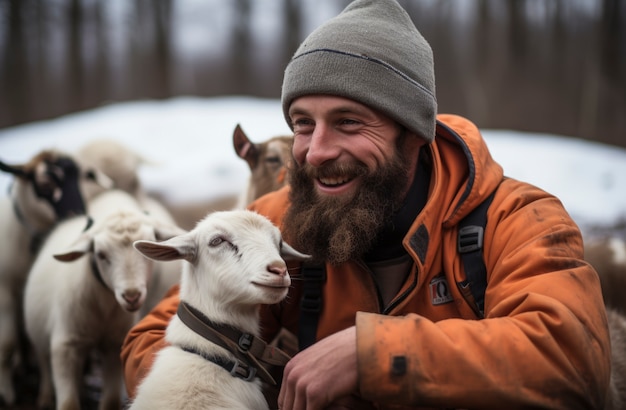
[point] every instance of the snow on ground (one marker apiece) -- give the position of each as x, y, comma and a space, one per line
189, 140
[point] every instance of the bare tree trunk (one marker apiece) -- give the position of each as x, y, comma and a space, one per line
517, 28
14, 106
150, 59
74, 81
613, 39
241, 47
162, 50
293, 26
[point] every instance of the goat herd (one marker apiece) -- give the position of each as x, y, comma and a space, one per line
87, 252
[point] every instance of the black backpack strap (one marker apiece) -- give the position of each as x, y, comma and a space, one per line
470, 247
313, 277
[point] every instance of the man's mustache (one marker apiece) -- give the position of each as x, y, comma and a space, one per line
333, 169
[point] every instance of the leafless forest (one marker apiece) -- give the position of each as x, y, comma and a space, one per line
555, 66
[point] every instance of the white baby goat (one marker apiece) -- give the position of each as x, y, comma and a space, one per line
122, 164
82, 293
234, 264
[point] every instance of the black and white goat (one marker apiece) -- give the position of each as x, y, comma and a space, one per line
50, 187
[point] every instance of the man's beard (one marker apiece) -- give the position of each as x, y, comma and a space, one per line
333, 229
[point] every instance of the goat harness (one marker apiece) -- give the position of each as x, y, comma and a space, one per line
254, 357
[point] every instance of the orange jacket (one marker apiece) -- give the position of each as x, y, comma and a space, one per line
543, 342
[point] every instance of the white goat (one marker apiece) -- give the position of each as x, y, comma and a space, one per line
234, 264
82, 292
616, 397
608, 257
116, 160
49, 187
121, 164
267, 161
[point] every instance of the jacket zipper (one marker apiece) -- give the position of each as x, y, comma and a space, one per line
398, 299
395, 302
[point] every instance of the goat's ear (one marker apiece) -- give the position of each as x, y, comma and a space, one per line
244, 148
99, 178
83, 245
290, 254
167, 231
17, 170
176, 248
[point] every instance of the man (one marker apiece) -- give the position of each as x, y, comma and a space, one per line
378, 187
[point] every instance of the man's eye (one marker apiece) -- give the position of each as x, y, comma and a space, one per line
301, 122
348, 121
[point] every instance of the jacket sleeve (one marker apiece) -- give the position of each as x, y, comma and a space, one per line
145, 339
543, 343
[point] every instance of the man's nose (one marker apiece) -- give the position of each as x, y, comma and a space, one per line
324, 146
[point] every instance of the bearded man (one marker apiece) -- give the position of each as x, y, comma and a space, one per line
378, 187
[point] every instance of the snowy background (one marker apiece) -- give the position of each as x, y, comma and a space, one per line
189, 142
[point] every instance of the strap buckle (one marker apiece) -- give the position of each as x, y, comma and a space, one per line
311, 303
470, 238
244, 372
245, 341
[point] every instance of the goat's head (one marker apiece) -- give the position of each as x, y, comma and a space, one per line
114, 261
56, 180
116, 160
267, 161
236, 259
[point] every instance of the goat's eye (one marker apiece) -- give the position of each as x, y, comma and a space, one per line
273, 160
216, 241
90, 175
102, 256
46, 188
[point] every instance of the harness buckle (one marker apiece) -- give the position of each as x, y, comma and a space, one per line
470, 238
311, 303
246, 373
245, 341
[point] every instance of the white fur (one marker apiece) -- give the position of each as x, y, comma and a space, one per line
619, 251
616, 397
116, 160
16, 255
122, 165
234, 264
68, 311
608, 257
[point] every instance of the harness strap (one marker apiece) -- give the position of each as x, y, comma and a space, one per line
470, 247
96, 271
236, 368
314, 277
251, 350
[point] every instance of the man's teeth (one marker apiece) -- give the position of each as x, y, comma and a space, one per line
334, 181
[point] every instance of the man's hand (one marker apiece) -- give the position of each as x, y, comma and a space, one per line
321, 374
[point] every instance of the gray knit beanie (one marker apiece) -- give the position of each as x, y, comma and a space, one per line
371, 53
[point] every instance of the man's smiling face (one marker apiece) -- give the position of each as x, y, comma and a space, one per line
352, 168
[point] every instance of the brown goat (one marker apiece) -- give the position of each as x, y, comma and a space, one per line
267, 162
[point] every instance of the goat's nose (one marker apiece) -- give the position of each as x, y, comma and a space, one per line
131, 295
277, 269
